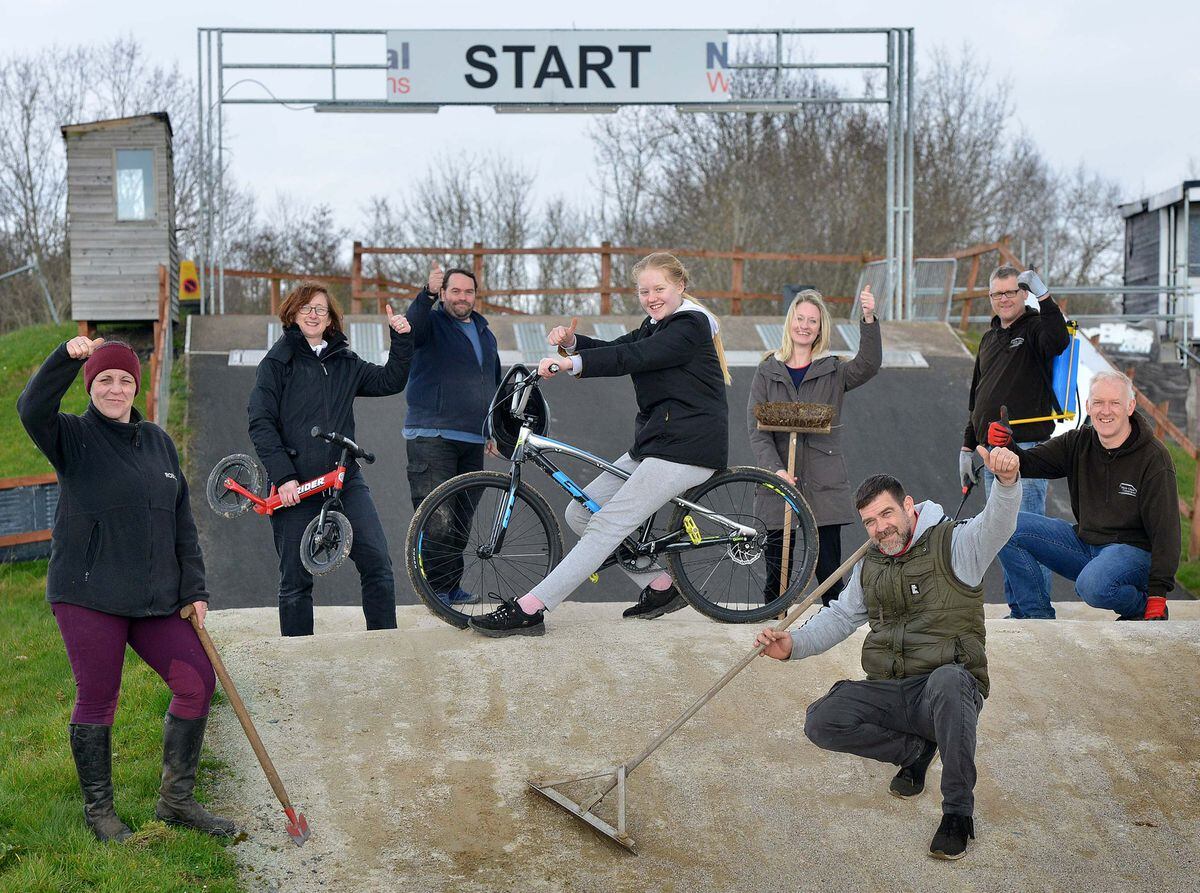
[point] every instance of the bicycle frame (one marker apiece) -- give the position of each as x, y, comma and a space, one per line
334, 480
534, 448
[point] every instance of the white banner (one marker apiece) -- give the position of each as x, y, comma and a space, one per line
565, 67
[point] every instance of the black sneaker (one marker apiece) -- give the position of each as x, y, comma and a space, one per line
651, 603
509, 620
910, 780
950, 842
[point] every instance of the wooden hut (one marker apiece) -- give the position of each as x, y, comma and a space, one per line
121, 219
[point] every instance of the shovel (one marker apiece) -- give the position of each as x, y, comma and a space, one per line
297, 825
610, 778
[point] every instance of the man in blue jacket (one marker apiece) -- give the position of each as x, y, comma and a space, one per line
454, 375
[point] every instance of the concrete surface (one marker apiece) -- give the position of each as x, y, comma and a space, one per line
409, 752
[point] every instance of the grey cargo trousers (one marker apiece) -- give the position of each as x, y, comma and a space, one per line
891, 719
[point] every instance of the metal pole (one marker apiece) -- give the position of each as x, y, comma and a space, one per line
903, 301
909, 200
333, 65
891, 177
208, 161
221, 170
201, 198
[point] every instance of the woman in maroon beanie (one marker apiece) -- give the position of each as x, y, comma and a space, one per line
124, 561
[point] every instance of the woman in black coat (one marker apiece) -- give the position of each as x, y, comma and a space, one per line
124, 561
308, 379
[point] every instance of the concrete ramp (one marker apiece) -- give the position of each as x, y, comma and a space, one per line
409, 751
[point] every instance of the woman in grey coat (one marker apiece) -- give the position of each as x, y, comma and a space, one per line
802, 370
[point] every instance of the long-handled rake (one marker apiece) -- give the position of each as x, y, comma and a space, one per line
297, 824
617, 777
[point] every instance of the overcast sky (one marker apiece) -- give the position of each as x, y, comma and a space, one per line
1114, 84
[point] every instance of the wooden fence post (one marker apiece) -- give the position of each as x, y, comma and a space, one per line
274, 285
972, 278
605, 278
356, 279
739, 272
477, 267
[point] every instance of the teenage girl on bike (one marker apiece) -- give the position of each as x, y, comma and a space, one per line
680, 438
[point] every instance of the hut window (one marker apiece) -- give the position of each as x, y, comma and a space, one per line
135, 184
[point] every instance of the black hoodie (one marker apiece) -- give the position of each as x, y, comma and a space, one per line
1012, 369
1124, 495
124, 540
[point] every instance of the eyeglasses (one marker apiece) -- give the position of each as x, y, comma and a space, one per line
314, 308
1004, 294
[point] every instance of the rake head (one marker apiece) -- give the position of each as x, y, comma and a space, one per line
297, 825
609, 779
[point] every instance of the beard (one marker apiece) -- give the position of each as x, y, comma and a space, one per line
460, 312
893, 541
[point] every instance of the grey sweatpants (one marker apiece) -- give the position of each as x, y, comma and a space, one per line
891, 719
624, 505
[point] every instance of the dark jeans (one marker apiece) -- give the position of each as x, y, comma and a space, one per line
829, 558
96, 649
891, 719
431, 462
369, 554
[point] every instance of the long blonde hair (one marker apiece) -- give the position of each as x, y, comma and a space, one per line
821, 344
677, 274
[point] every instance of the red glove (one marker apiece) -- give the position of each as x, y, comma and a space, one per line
1000, 434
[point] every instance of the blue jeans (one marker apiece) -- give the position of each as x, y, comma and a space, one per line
1114, 577
1033, 499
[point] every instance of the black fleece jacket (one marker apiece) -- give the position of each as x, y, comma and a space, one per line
296, 391
682, 412
124, 541
1123, 495
1013, 368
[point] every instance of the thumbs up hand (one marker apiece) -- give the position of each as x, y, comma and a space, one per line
397, 321
436, 277
81, 347
564, 336
1000, 434
866, 301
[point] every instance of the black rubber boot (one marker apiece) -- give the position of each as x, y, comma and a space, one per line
182, 739
91, 745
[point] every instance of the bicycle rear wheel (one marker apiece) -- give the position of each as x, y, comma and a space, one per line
739, 582
449, 564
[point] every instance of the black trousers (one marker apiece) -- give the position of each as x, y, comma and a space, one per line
829, 557
431, 462
369, 554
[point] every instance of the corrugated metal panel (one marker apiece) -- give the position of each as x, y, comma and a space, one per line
608, 331
770, 334
1142, 247
531, 341
368, 341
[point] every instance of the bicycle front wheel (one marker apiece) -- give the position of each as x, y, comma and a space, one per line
742, 581
448, 553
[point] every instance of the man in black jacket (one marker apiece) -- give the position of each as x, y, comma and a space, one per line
1124, 550
1012, 368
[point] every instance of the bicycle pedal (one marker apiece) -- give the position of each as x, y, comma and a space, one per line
692, 531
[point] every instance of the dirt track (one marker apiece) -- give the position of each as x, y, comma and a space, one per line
409, 752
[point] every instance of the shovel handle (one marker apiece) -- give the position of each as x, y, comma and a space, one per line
239, 708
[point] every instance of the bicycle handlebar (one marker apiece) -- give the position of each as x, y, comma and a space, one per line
520, 395
333, 437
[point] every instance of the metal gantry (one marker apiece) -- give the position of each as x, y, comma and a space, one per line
214, 94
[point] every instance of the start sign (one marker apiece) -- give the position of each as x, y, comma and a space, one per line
561, 67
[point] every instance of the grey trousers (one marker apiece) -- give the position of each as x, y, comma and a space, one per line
624, 505
891, 719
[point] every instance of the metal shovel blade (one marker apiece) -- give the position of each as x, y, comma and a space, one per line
297, 826
617, 835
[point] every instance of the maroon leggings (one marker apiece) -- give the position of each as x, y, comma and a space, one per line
96, 649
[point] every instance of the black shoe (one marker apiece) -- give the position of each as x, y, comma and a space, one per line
950, 842
182, 740
910, 780
509, 620
91, 745
651, 603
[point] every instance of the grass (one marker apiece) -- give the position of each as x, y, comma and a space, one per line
44, 845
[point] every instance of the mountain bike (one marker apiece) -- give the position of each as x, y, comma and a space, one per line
235, 482
491, 536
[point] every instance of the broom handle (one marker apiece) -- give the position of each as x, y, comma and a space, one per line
784, 565
783, 624
189, 613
